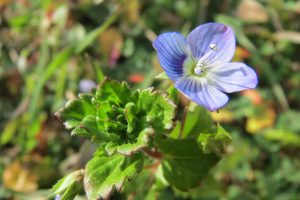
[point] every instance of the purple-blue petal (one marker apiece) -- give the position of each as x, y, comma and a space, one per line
232, 77
202, 92
171, 49
200, 39
86, 85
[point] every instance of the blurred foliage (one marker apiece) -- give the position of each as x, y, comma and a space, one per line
48, 49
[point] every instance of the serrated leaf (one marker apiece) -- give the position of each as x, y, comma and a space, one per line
184, 163
68, 186
117, 118
91, 126
215, 142
130, 112
128, 149
113, 91
158, 108
76, 110
162, 76
71, 191
103, 174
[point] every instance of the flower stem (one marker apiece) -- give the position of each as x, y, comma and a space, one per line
186, 110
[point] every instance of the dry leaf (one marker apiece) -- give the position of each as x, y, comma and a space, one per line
265, 120
132, 11
241, 54
253, 95
251, 11
17, 178
4, 3
290, 36
224, 115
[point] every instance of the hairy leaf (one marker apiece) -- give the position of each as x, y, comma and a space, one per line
69, 186
104, 173
76, 110
117, 118
158, 108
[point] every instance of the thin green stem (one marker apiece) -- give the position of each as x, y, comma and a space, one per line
185, 112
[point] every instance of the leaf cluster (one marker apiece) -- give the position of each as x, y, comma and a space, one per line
134, 130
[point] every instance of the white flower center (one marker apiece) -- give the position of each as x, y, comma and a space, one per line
201, 66
198, 70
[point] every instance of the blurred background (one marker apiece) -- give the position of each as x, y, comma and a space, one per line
50, 50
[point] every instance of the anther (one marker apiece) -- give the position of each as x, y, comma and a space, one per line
199, 64
213, 47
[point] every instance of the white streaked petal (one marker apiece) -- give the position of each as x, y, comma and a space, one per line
214, 41
171, 50
232, 77
200, 91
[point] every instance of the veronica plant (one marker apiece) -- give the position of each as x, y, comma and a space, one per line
200, 64
138, 132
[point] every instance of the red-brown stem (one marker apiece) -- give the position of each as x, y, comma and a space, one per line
152, 166
154, 154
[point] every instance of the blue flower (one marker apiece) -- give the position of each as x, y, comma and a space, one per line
200, 66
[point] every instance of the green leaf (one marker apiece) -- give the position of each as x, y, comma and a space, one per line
283, 136
173, 94
215, 142
286, 121
60, 59
93, 127
76, 110
184, 163
159, 109
175, 133
69, 185
131, 148
130, 112
117, 118
162, 76
103, 174
198, 120
113, 91
9, 131
71, 191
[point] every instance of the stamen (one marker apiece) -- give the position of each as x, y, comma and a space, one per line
198, 70
213, 46
205, 58
199, 64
